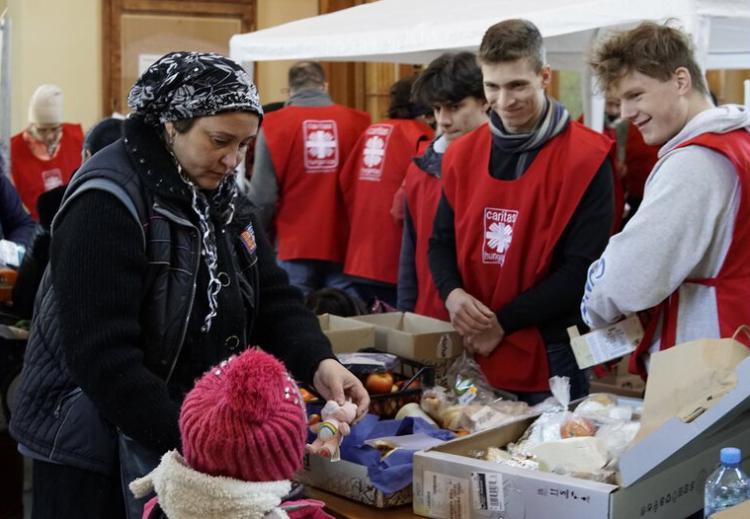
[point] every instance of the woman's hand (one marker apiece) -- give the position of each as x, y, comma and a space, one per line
467, 313
334, 382
485, 343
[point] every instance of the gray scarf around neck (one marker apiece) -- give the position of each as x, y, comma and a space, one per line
554, 120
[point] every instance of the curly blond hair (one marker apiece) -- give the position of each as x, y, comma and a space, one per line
652, 49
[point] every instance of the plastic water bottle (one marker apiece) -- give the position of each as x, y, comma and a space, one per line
727, 485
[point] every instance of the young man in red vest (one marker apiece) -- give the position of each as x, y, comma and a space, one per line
44, 155
526, 207
685, 252
452, 85
299, 154
369, 182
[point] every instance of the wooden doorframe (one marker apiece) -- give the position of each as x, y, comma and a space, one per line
112, 10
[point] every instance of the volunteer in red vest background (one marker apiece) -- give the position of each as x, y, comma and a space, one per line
685, 252
299, 154
45, 154
452, 86
369, 181
526, 208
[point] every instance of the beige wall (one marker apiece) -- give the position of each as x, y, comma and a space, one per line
271, 75
56, 42
60, 42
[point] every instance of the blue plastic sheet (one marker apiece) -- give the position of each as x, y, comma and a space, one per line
394, 472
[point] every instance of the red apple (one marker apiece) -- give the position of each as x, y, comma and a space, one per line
379, 383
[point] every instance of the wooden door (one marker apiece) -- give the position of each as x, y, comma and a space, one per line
137, 32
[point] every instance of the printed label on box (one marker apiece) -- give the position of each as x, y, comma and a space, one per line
446, 497
444, 349
487, 491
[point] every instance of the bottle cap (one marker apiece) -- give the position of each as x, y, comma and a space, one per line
730, 455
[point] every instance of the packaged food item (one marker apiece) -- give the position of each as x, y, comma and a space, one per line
576, 426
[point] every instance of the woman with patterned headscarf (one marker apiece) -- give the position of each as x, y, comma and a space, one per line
158, 271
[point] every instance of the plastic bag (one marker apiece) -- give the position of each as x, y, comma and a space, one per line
467, 382
547, 427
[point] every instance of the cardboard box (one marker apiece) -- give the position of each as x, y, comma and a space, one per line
347, 335
741, 511
605, 344
426, 340
621, 382
662, 475
349, 480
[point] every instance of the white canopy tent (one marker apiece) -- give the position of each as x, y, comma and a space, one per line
416, 31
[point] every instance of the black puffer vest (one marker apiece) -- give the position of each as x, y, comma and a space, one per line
55, 420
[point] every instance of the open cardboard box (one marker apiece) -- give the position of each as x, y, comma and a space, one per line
426, 340
347, 335
349, 480
621, 382
661, 476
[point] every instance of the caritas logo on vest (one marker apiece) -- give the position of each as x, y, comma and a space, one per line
373, 152
321, 145
498, 234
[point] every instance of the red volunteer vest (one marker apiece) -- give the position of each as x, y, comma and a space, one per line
506, 232
639, 161
617, 189
33, 176
309, 146
732, 284
371, 177
422, 197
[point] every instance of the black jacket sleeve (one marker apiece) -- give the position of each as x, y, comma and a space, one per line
284, 326
558, 295
15, 223
98, 266
442, 250
407, 271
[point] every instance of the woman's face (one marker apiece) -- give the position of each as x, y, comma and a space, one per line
213, 147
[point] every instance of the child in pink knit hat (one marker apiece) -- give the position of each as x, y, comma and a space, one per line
243, 430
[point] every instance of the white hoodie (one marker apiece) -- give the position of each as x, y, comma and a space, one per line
682, 230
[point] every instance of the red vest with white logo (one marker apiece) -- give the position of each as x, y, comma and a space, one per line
422, 198
732, 284
308, 147
371, 177
507, 230
33, 176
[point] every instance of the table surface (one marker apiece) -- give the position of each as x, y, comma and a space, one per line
345, 508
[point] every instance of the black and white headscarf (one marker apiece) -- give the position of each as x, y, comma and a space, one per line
186, 85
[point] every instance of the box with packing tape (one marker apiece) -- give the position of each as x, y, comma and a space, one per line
347, 335
697, 401
426, 340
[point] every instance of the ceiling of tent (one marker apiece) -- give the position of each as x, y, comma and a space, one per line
417, 31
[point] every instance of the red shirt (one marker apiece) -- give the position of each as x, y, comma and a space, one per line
369, 181
506, 232
33, 176
308, 147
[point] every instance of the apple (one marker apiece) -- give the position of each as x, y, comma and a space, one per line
379, 383
415, 384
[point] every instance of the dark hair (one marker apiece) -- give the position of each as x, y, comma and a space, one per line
306, 74
449, 78
402, 106
184, 125
102, 134
336, 302
511, 40
651, 49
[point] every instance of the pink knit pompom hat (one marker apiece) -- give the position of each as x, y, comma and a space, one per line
245, 419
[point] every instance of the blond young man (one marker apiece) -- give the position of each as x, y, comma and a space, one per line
526, 206
684, 254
